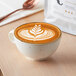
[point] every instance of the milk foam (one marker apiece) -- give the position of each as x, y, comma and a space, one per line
36, 33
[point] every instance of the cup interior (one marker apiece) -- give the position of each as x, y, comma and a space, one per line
47, 25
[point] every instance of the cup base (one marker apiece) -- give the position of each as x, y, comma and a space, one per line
31, 59
28, 58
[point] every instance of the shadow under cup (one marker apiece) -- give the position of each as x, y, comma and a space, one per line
36, 50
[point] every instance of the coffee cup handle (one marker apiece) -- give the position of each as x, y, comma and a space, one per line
11, 36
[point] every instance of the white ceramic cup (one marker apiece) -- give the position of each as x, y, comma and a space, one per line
35, 51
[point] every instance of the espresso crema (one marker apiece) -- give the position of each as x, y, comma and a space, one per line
37, 33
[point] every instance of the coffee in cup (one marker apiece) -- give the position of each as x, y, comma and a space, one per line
37, 33
36, 40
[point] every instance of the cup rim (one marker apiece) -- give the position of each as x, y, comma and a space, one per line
40, 43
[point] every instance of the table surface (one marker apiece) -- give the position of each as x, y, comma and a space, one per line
13, 63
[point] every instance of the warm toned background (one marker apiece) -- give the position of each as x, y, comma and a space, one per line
13, 63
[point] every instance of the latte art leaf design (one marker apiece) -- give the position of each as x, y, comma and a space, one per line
36, 33
36, 30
